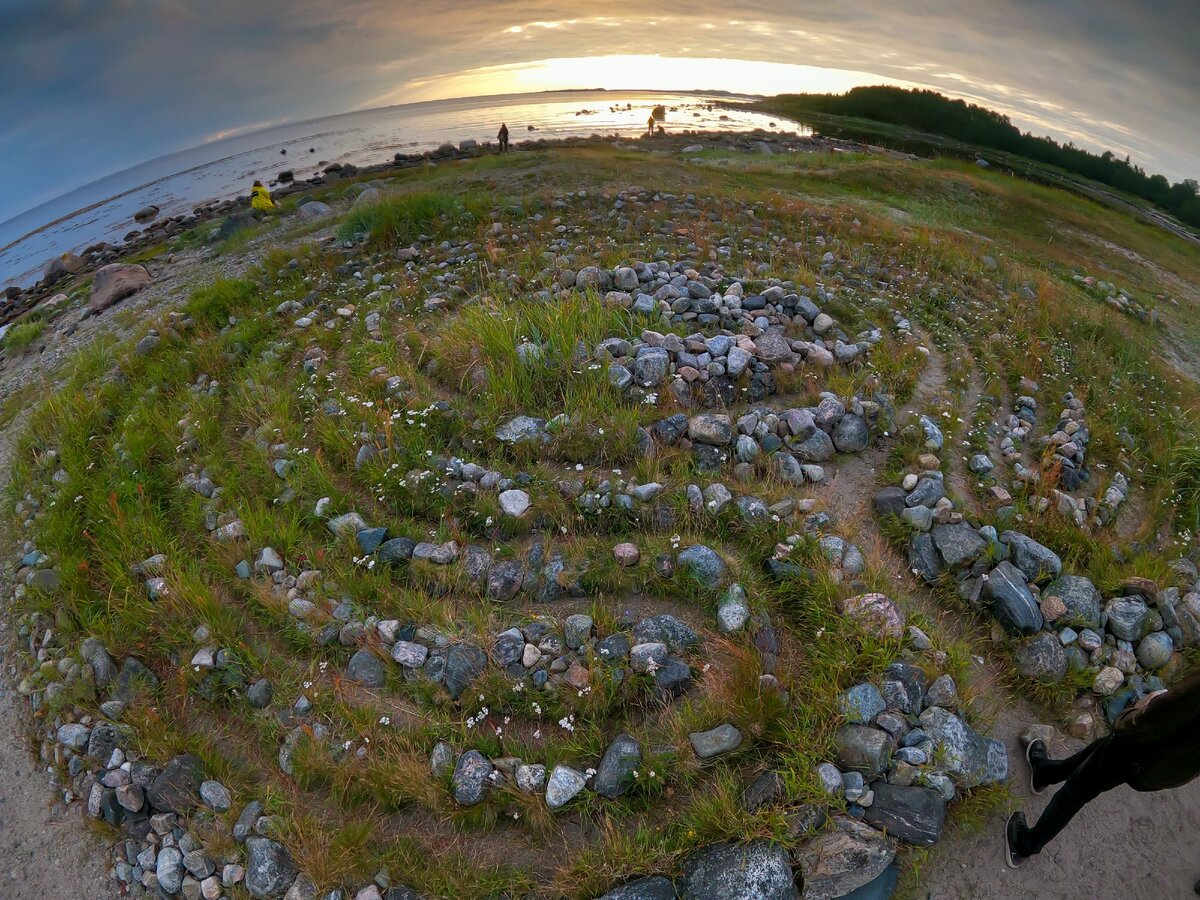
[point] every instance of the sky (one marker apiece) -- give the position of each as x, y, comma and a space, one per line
89, 87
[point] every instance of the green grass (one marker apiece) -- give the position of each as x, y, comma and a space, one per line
23, 334
398, 221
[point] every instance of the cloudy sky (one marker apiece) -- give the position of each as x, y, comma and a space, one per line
88, 87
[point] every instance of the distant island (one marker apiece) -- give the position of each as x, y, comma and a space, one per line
934, 114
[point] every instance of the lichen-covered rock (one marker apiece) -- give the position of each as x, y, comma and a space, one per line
759, 870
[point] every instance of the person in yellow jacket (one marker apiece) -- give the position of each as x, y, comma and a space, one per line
260, 197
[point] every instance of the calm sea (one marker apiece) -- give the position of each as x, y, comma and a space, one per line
103, 210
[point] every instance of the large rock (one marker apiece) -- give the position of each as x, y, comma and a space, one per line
703, 564
958, 543
522, 429
923, 558
367, 669
890, 501
1128, 618
759, 870
863, 749
563, 785
665, 629
913, 814
1013, 604
269, 868
1041, 657
1037, 562
968, 757
314, 209
817, 448
843, 859
850, 434
177, 788
472, 777
614, 775
463, 664
713, 429
876, 613
114, 282
1080, 597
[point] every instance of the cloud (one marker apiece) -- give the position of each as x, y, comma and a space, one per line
92, 86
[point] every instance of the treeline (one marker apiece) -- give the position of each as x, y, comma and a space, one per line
931, 112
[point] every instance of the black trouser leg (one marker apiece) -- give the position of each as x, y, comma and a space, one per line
1101, 769
1056, 771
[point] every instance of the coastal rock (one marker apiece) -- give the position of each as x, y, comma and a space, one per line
114, 282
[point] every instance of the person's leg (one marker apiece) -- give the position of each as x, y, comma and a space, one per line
1047, 771
1101, 769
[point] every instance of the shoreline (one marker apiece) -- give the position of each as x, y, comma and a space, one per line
15, 301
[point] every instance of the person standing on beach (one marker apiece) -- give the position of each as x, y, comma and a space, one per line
502, 137
650, 126
1154, 745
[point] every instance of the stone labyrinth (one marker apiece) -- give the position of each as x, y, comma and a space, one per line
503, 542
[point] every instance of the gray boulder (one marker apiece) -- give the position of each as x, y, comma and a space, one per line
269, 868
367, 669
703, 564
1128, 618
652, 887
958, 543
850, 434
1041, 657
913, 814
969, 758
177, 788
759, 870
1080, 597
863, 749
1037, 562
472, 776
1013, 604
615, 772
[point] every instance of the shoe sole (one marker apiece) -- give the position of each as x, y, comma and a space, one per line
1032, 787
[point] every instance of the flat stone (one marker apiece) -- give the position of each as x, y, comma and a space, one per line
913, 814
1079, 597
958, 543
843, 858
716, 741
1041, 657
514, 502
970, 758
876, 613
758, 870
215, 796
703, 564
177, 788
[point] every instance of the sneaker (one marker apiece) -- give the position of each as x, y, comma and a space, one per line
1016, 824
1034, 754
